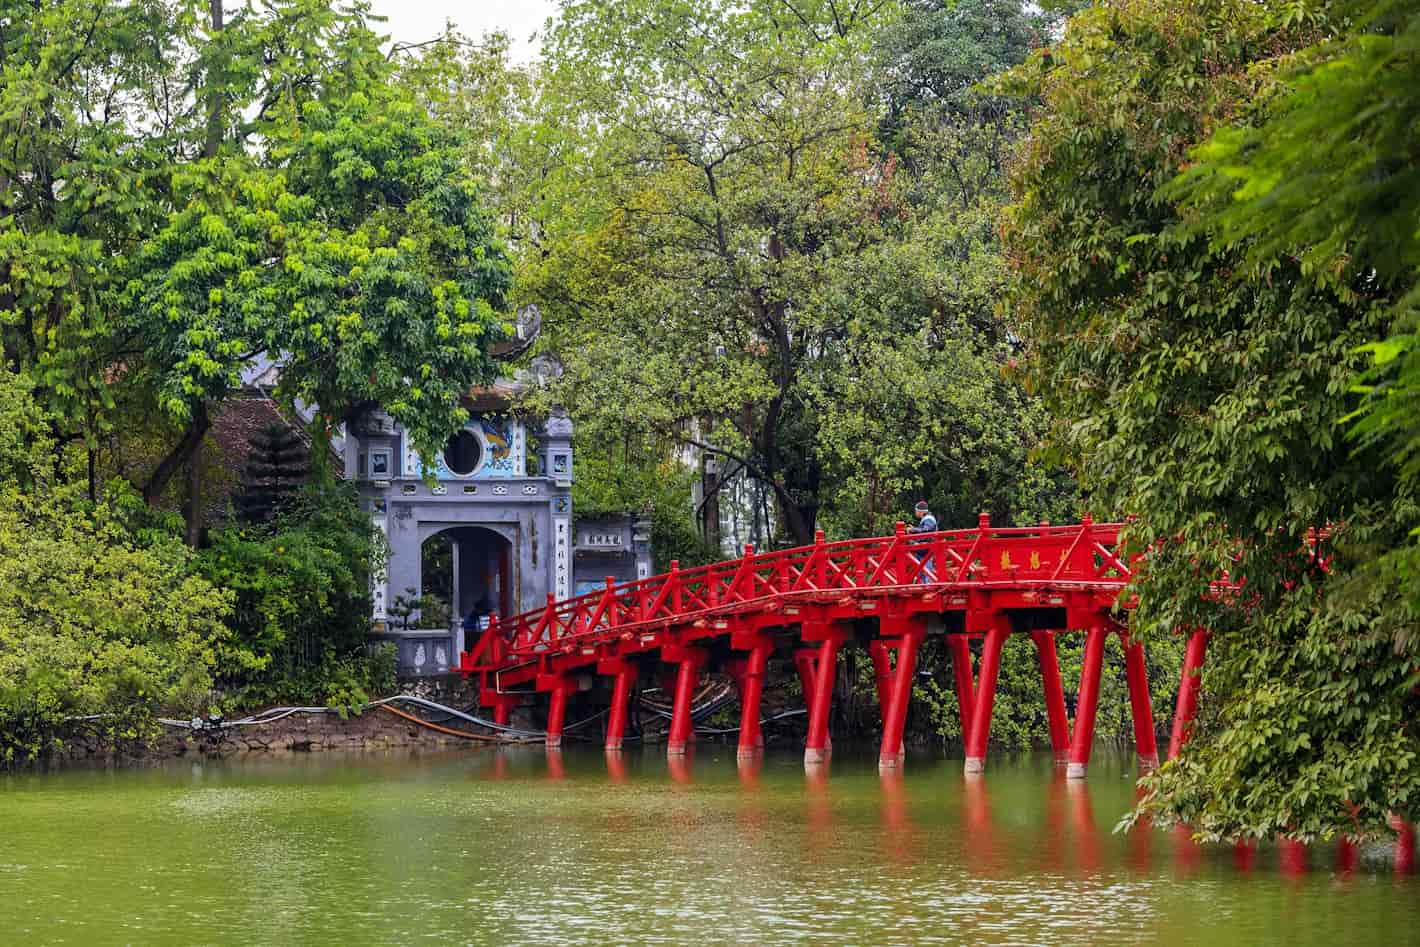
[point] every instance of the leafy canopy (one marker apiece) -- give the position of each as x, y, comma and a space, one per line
1200, 344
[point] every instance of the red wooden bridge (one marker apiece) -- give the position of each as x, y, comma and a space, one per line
886, 594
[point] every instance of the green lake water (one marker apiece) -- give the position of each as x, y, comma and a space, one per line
513, 847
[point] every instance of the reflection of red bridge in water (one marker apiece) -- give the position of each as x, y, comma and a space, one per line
1070, 838
886, 593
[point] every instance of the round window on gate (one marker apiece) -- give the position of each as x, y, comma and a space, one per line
463, 452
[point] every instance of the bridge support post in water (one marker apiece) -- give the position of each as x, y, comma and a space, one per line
625, 678
560, 688
980, 734
1190, 683
910, 631
689, 661
1088, 704
751, 691
806, 663
1141, 708
502, 705
960, 648
1055, 715
882, 669
880, 650
830, 638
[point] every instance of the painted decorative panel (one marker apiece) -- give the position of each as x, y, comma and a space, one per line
502, 452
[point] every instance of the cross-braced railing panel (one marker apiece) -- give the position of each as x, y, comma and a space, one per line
1048, 557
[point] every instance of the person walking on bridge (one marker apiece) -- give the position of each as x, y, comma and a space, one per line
926, 523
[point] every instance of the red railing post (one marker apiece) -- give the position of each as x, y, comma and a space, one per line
1141, 708
498, 640
549, 620
983, 533
1086, 546
745, 567
820, 576
606, 609
677, 598
980, 736
1088, 704
1055, 714
901, 557
1190, 683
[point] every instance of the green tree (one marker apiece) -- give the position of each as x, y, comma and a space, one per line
729, 259
278, 463
262, 185
98, 619
1201, 377
301, 597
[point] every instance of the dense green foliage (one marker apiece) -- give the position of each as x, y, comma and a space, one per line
780, 236
99, 616
1200, 338
180, 195
741, 249
300, 586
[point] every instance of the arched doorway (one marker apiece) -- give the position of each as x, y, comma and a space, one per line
467, 567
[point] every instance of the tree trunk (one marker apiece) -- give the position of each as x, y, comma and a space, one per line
797, 519
214, 101
194, 497
710, 508
181, 452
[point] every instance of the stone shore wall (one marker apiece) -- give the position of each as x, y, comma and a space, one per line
374, 729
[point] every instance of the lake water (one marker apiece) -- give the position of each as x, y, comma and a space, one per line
515, 847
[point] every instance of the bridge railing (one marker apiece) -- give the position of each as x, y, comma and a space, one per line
971, 558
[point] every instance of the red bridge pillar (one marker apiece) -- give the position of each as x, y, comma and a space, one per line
882, 669
980, 734
625, 677
690, 661
910, 631
960, 648
824, 671
502, 705
1055, 715
560, 688
751, 691
1141, 707
1190, 684
1088, 703
1404, 845
880, 650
